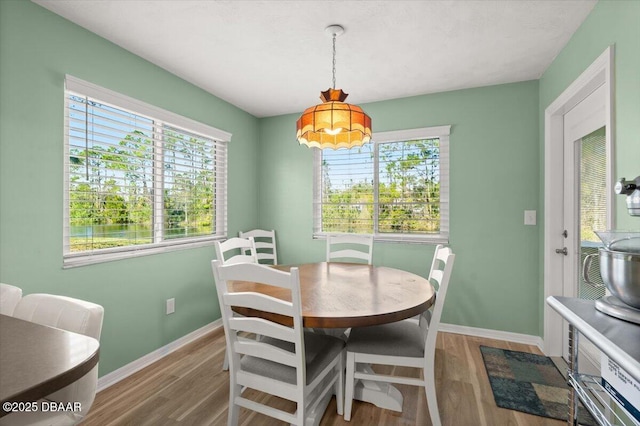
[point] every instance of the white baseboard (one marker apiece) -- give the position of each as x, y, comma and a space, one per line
526, 339
148, 359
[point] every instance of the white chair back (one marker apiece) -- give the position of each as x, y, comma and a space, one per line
440, 273
276, 363
347, 247
234, 250
438, 264
9, 297
435, 261
436, 275
265, 242
73, 315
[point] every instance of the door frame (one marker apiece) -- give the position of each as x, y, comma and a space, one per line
599, 73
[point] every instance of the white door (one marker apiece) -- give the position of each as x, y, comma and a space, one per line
585, 201
581, 105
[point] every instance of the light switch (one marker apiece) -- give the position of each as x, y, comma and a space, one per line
529, 217
171, 306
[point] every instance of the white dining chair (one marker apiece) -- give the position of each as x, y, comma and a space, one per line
402, 343
265, 245
73, 315
287, 362
434, 274
10, 295
235, 250
349, 248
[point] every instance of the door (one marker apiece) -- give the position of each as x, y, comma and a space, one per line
585, 202
560, 273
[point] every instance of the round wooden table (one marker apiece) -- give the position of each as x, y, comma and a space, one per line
343, 295
37, 360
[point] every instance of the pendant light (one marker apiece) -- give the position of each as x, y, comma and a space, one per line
333, 123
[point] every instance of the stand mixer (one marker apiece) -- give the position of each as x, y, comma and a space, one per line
620, 262
630, 188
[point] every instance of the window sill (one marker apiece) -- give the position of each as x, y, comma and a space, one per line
399, 238
84, 259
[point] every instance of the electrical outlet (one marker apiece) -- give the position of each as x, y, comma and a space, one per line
171, 306
529, 217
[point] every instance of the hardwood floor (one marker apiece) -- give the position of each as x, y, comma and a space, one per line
188, 387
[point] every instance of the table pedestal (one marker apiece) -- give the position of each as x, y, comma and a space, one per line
380, 394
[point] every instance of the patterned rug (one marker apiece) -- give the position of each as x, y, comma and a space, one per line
529, 383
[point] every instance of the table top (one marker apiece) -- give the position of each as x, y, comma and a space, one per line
342, 295
36, 360
619, 339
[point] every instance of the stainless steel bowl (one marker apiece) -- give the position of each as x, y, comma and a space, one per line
621, 274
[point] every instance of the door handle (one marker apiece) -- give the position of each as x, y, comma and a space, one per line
563, 250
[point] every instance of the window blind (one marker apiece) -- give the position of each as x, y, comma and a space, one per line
347, 193
593, 206
396, 187
136, 181
593, 190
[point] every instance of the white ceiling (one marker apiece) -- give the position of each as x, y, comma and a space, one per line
273, 57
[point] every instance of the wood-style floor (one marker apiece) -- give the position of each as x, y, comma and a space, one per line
188, 387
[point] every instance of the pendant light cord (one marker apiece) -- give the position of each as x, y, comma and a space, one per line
334, 60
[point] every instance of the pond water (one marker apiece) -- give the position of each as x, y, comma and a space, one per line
133, 231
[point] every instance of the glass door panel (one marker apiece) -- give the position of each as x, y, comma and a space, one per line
593, 208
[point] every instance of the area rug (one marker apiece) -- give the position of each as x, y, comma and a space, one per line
529, 383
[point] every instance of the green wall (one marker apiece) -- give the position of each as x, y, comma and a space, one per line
37, 48
494, 178
614, 23
497, 170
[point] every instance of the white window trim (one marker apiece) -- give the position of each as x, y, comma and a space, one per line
143, 108
441, 132
71, 260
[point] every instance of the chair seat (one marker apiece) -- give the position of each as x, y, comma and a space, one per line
402, 338
319, 349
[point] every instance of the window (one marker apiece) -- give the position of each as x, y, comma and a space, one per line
138, 179
396, 187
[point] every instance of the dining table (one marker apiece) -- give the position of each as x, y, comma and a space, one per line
37, 360
344, 295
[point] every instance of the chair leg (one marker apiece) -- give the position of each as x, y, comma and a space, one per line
349, 385
234, 409
225, 363
340, 387
432, 400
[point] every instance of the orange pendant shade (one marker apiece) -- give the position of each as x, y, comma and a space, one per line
333, 123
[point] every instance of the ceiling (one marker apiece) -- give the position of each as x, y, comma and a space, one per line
273, 57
